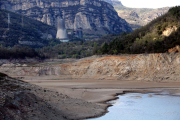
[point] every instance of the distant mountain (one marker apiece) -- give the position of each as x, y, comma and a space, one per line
160, 35
24, 31
93, 16
138, 17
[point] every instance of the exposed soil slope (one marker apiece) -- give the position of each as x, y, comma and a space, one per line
146, 67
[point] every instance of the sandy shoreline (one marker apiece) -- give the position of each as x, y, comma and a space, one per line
101, 91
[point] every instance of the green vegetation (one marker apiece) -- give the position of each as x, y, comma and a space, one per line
30, 31
149, 38
74, 49
18, 52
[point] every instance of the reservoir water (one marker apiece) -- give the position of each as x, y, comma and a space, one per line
137, 106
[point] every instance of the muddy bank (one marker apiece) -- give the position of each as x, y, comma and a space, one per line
98, 91
101, 91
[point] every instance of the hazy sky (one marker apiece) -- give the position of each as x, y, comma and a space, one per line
149, 3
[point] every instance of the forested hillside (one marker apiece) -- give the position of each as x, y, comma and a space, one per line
158, 36
24, 31
75, 49
22, 36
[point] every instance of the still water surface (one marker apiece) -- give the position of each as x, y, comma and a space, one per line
137, 106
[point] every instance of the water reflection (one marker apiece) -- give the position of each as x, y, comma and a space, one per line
137, 106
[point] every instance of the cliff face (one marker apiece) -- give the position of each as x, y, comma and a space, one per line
94, 15
150, 67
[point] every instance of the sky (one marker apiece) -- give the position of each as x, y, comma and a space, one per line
150, 3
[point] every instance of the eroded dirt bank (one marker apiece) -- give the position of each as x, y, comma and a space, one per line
144, 67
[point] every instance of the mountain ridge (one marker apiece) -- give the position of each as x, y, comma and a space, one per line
145, 15
93, 16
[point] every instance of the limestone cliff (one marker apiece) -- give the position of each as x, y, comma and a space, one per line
147, 67
94, 15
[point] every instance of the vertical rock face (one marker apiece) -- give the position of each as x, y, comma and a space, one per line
94, 15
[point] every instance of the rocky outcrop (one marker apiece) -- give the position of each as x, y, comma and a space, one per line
174, 49
95, 15
147, 67
167, 32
